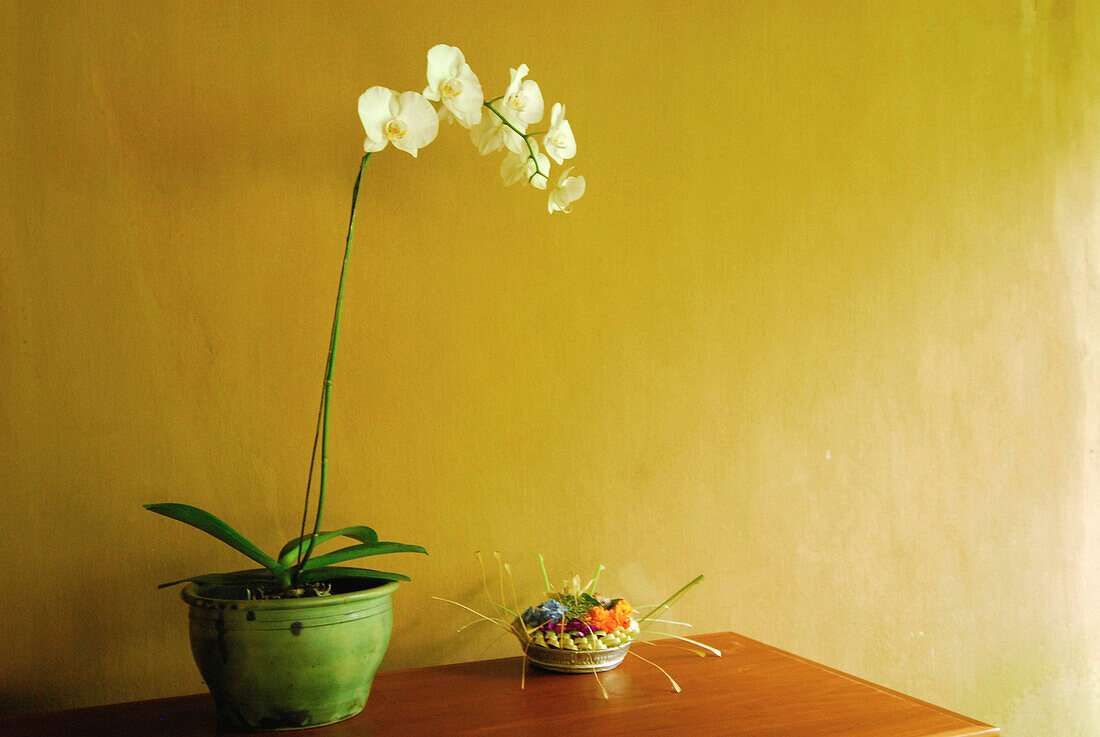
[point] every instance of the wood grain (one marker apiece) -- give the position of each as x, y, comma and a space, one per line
753, 690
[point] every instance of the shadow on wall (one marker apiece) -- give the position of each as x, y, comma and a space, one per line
96, 650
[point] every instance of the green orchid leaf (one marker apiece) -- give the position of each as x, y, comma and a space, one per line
360, 551
363, 534
214, 527
331, 573
256, 576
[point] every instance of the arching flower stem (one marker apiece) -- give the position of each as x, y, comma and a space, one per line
525, 136
326, 390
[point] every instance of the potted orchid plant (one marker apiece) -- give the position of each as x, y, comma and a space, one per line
265, 639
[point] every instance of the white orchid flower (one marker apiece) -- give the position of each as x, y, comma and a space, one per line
559, 141
491, 134
564, 192
522, 168
451, 80
406, 120
522, 100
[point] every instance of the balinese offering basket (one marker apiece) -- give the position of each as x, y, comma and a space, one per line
554, 637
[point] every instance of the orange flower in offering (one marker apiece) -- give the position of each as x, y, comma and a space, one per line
623, 611
611, 619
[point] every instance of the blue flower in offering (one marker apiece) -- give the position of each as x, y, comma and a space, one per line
548, 611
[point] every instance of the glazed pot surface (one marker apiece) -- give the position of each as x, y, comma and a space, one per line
289, 663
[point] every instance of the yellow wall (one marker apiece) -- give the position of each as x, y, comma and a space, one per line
824, 328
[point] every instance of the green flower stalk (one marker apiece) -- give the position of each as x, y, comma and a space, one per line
326, 387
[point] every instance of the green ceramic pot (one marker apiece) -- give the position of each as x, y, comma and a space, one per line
290, 663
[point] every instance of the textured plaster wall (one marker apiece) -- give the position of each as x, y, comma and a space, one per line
824, 328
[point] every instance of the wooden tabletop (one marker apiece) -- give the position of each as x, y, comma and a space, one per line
753, 690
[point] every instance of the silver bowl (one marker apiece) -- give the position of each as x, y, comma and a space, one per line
561, 660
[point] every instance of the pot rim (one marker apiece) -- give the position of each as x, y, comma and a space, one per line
192, 594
